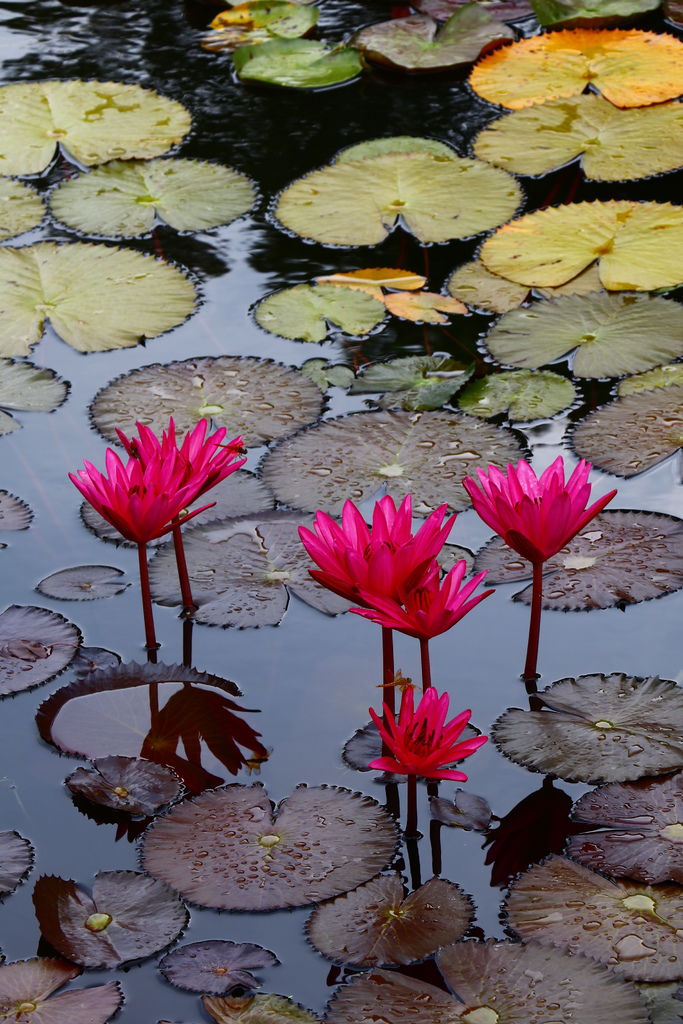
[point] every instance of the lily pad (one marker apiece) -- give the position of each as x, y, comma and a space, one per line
28, 388
16, 859
321, 842
651, 380
26, 989
603, 335
215, 966
89, 659
473, 284
467, 811
422, 307
641, 830
95, 297
327, 375
258, 22
614, 145
15, 514
393, 997
598, 728
130, 784
506, 10
91, 121
258, 398
636, 245
35, 645
309, 312
664, 1001
523, 394
297, 63
634, 929
417, 43
392, 144
590, 13
376, 277
630, 68
83, 583
673, 12
359, 202
427, 454
263, 1008
128, 917
377, 925
21, 208
412, 382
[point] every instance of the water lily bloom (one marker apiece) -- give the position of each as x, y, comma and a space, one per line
422, 742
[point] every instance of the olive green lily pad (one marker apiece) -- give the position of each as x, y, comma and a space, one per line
83, 583
412, 382
597, 729
476, 286
26, 988
16, 859
28, 388
635, 929
95, 297
615, 145
327, 375
125, 198
394, 144
35, 645
359, 202
506, 10
609, 335
297, 63
376, 925
310, 312
664, 1001
257, 398
21, 208
651, 380
92, 121
418, 43
359, 456
258, 21
15, 514
590, 13
262, 1008
523, 394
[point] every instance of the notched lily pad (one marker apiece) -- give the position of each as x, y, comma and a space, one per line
473, 284
129, 784
651, 380
466, 811
327, 375
26, 989
35, 645
392, 997
263, 1008
394, 144
524, 395
297, 63
16, 859
15, 514
215, 966
90, 659
21, 208
589, 13
412, 382
28, 388
310, 312
83, 583
506, 10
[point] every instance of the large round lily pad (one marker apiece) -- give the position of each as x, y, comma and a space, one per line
257, 398
83, 583
435, 198
95, 297
598, 728
427, 454
309, 312
92, 121
523, 394
133, 785
35, 645
227, 849
634, 929
15, 514
21, 208
297, 63
28, 388
215, 966
16, 858
26, 989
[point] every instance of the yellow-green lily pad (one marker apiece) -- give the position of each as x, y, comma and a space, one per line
590, 13
296, 63
394, 144
21, 208
651, 380
309, 312
258, 21
413, 382
523, 394
27, 388
477, 287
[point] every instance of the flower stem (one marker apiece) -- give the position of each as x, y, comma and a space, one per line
414, 860
388, 675
411, 809
530, 675
435, 843
150, 636
425, 664
186, 591
187, 642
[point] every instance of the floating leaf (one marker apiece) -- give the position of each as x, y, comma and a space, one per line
27, 985
590, 13
92, 121
422, 307
16, 858
651, 380
466, 811
641, 829
323, 841
673, 12
394, 144
427, 454
258, 398
417, 43
28, 388
296, 63
358, 202
35, 645
129, 917
375, 925
598, 728
95, 297
636, 244
258, 22
506, 10
615, 145
15, 514
630, 68
89, 659
392, 997
634, 929
215, 966
664, 1002
21, 208
83, 583
259, 1009
129, 784
327, 375
583, 284
478, 287
413, 382
308, 312
609, 335
523, 394
375, 277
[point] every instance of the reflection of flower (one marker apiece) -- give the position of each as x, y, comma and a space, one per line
421, 741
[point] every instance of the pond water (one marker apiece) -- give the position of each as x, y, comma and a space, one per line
313, 676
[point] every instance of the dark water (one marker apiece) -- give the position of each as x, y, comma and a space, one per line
312, 677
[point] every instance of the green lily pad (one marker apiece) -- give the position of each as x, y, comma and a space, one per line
412, 382
15, 514
91, 121
16, 859
523, 394
262, 1008
590, 13
359, 202
309, 312
598, 728
609, 335
393, 144
506, 10
651, 380
297, 63
27, 388
327, 375
21, 208
95, 297
615, 145
476, 286
417, 43
83, 583
258, 21
26, 989
126, 197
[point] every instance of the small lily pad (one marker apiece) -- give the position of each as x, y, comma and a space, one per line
412, 382
651, 380
590, 13
16, 859
83, 583
310, 312
90, 659
327, 375
215, 966
27, 388
467, 811
473, 284
506, 10
664, 1001
263, 1008
297, 63
26, 989
35, 645
366, 745
129, 784
258, 21
524, 395
21, 208
385, 145
423, 307
15, 514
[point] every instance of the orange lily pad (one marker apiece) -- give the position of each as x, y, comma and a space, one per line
423, 307
377, 277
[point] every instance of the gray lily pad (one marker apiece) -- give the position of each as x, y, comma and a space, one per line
377, 925
21, 208
664, 1001
310, 312
327, 375
83, 583
634, 929
130, 784
128, 917
641, 830
394, 144
590, 13
598, 728
90, 659
506, 10
651, 380
28, 388
126, 197
35, 645
467, 811
16, 859
362, 455
91, 121
476, 286
96, 298
297, 63
215, 966
15, 514
26, 989
258, 398
323, 841
393, 997
524, 395
263, 1008
413, 382
609, 335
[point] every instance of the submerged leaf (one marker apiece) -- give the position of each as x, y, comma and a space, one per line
15, 514
524, 394
26, 989
308, 312
664, 1001
412, 382
35, 645
478, 287
21, 208
327, 375
83, 583
264, 1008
296, 63
215, 965
16, 859
129, 784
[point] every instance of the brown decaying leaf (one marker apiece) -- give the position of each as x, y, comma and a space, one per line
423, 307
130, 784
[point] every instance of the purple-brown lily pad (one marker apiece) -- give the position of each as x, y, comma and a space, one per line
376, 925
83, 583
26, 989
391, 997
129, 784
506, 10
227, 849
16, 858
264, 1008
129, 916
15, 514
467, 811
641, 830
215, 966
35, 645
91, 659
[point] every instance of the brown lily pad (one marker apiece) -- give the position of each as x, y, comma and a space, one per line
506, 10
215, 966
16, 858
467, 811
26, 989
130, 784
35, 645
392, 997
264, 1008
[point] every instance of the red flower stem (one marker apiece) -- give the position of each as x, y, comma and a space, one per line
411, 808
186, 591
187, 642
388, 675
150, 636
530, 675
425, 664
